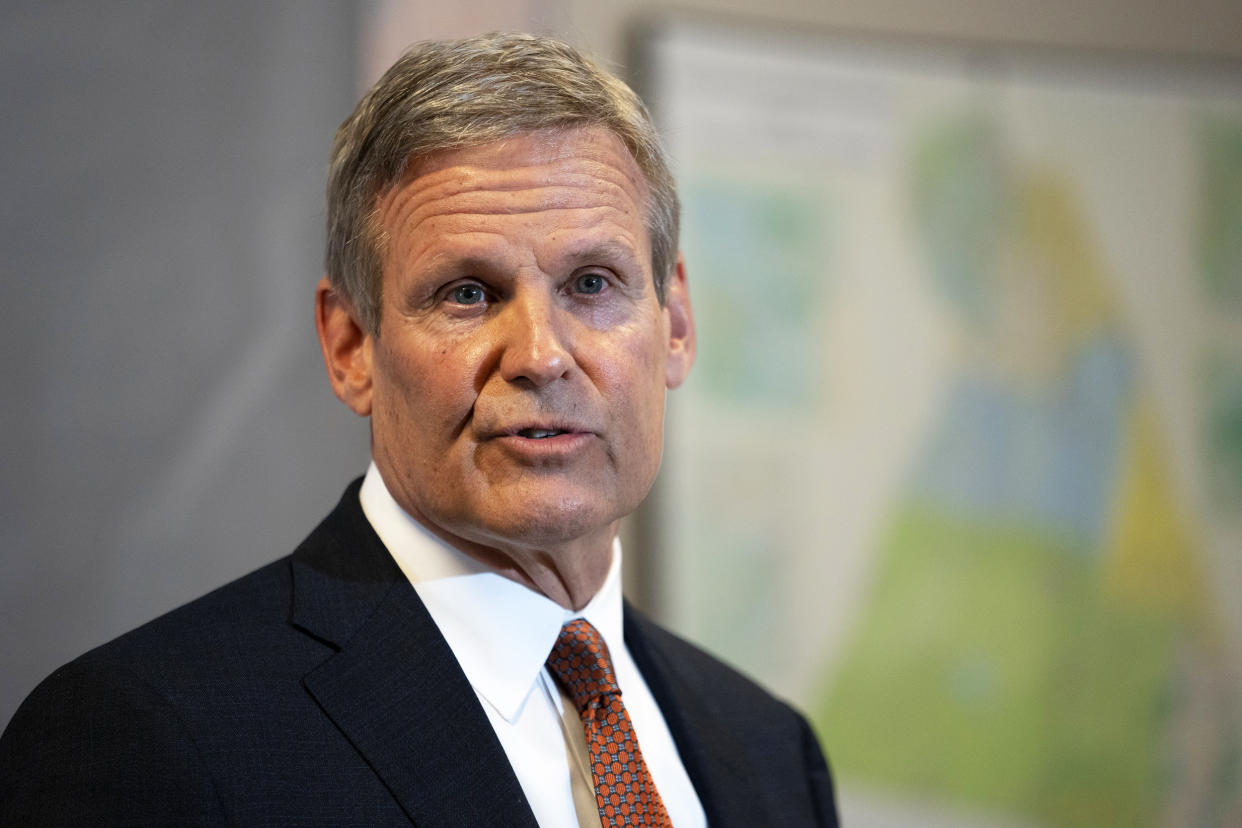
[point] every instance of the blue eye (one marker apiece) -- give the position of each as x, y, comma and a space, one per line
590, 283
467, 294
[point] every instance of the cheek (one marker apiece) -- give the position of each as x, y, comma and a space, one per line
400, 391
644, 441
637, 380
429, 390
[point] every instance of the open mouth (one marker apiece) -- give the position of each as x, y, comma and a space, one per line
539, 433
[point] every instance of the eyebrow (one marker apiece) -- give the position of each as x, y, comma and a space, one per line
612, 249
447, 266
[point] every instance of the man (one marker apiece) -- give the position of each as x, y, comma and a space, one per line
505, 302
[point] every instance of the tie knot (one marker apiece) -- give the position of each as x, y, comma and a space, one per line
580, 662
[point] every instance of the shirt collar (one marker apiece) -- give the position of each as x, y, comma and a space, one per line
500, 631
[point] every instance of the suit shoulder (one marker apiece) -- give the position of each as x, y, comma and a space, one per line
239, 610
715, 712
207, 643
164, 701
85, 746
706, 672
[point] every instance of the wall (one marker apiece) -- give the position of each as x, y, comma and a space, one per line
167, 425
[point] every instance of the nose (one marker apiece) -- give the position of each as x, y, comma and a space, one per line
535, 348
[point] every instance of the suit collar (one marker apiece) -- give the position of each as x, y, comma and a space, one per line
393, 687
499, 630
341, 573
397, 693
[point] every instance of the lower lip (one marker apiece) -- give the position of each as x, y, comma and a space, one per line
545, 448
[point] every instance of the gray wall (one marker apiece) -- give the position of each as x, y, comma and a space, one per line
167, 424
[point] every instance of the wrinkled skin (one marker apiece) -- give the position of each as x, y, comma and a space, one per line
516, 385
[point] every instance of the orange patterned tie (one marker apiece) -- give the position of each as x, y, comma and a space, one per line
624, 791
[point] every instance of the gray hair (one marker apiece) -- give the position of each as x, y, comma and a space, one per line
465, 93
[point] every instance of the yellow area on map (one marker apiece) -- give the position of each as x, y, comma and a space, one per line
1150, 555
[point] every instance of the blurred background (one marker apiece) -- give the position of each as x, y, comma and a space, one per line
966, 428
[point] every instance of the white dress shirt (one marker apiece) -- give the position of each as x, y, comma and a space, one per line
501, 633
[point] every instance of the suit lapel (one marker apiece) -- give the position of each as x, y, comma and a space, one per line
394, 688
715, 762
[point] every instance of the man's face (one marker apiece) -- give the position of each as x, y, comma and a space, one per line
517, 380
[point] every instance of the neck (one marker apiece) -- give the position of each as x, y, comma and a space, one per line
569, 573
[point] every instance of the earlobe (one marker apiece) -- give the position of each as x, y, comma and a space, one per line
346, 348
681, 342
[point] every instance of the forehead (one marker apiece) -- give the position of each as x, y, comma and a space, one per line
549, 149
570, 178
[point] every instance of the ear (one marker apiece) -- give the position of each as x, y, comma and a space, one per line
681, 327
347, 348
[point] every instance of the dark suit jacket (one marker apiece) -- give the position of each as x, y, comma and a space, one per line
317, 690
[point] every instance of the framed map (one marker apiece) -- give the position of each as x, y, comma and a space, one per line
959, 469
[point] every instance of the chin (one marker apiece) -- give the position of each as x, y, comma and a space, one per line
551, 521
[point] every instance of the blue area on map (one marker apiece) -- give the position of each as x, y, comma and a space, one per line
1049, 460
